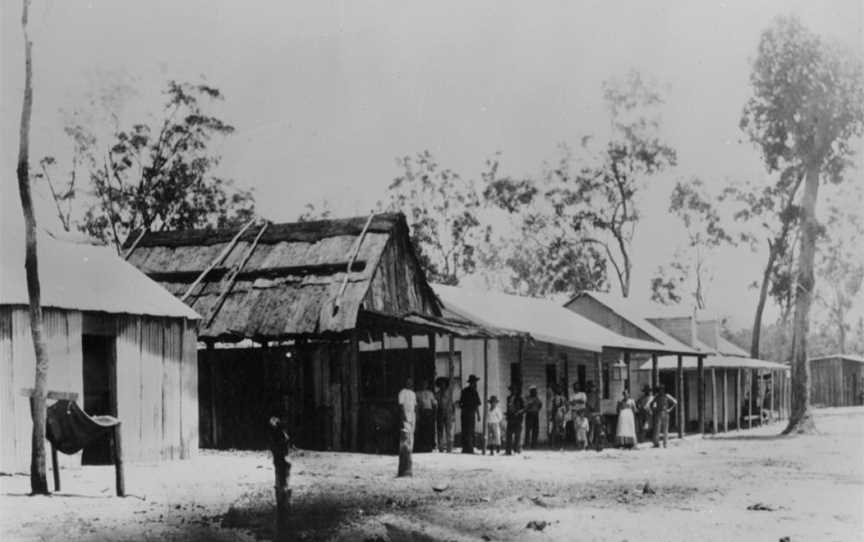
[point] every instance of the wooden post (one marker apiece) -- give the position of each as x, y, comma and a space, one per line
713, 401
354, 388
279, 445
485, 394
210, 360
655, 373
750, 399
409, 341
598, 362
629, 383
725, 408
679, 379
55, 466
119, 476
700, 392
738, 398
771, 398
451, 358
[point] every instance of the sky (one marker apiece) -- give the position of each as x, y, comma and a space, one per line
325, 95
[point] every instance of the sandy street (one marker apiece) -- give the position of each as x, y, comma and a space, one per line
810, 488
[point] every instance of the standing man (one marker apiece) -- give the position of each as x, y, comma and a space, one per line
596, 427
426, 404
515, 412
445, 414
470, 404
661, 405
532, 417
408, 416
643, 413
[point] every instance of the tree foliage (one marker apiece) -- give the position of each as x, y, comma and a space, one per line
584, 210
699, 213
540, 255
441, 207
806, 110
154, 177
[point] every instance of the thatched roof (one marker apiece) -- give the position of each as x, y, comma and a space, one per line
291, 281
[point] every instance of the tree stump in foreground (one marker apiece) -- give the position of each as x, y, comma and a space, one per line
279, 445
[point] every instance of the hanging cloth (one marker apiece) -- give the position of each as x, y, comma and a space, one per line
70, 429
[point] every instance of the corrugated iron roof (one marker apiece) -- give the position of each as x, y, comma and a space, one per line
82, 277
713, 362
847, 357
544, 320
624, 310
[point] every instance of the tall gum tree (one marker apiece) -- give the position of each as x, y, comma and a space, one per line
38, 475
806, 111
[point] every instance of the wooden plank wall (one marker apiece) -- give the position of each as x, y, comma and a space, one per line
157, 388
153, 355
63, 337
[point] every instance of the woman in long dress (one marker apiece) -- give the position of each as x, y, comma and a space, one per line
625, 432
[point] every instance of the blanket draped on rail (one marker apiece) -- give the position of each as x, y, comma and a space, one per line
70, 429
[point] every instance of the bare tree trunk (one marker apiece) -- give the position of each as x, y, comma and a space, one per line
801, 418
760, 306
38, 477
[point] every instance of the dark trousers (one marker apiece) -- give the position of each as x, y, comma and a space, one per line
532, 427
514, 435
468, 430
425, 440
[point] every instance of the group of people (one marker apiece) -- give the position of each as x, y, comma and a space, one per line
432, 415
648, 415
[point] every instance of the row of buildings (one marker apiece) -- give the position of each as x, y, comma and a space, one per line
199, 336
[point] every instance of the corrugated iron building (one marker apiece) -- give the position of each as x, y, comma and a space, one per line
114, 337
837, 380
294, 319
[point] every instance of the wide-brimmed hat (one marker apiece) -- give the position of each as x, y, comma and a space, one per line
646, 389
532, 387
473, 378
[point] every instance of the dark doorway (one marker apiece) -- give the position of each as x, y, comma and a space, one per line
99, 391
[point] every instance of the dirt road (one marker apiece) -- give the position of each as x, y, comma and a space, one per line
808, 488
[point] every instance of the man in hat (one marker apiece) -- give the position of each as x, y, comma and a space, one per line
446, 413
643, 413
470, 405
515, 413
426, 405
532, 417
661, 405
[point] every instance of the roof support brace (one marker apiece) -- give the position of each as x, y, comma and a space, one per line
228, 281
219, 259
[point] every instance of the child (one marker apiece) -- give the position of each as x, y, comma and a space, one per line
581, 426
493, 425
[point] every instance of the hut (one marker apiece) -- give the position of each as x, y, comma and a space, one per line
547, 345
115, 338
837, 380
719, 388
318, 322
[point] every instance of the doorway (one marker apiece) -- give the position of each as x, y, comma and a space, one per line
100, 393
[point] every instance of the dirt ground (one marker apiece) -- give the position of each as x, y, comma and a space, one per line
810, 488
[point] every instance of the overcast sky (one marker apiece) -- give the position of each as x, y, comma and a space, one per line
325, 95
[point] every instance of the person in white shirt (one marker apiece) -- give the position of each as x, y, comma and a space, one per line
493, 426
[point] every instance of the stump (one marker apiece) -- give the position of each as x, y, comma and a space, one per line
405, 463
279, 446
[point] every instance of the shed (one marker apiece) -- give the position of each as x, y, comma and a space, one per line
549, 345
837, 380
114, 337
319, 322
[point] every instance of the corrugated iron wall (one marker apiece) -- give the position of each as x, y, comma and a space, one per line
156, 381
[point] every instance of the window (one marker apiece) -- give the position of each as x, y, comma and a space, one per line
516, 374
551, 375
580, 376
442, 360
606, 378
